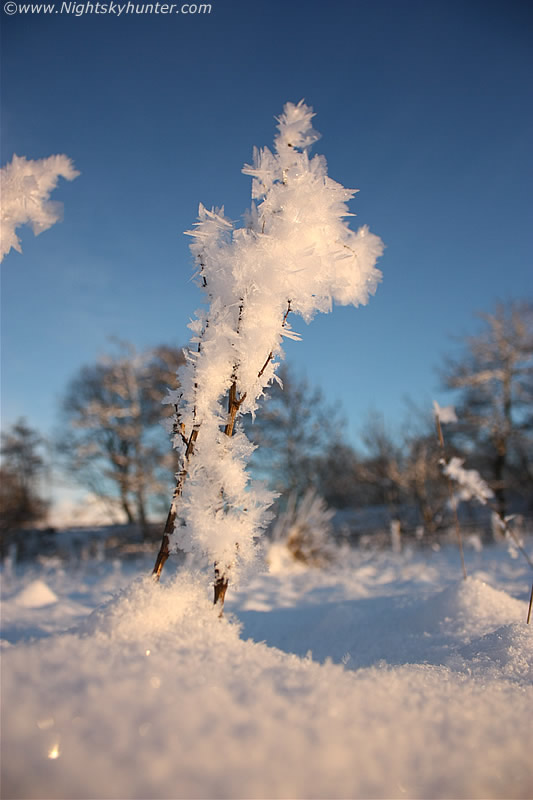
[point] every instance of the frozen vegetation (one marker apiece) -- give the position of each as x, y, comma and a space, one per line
295, 255
381, 676
26, 187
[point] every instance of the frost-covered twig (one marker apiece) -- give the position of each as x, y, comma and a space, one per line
448, 415
271, 354
508, 532
178, 431
471, 484
164, 550
294, 245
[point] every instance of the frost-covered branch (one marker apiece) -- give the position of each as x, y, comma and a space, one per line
443, 416
295, 254
503, 524
471, 484
26, 187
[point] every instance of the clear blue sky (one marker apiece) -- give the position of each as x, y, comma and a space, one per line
423, 106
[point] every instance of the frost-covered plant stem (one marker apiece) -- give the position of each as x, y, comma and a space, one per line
530, 605
221, 581
471, 486
164, 550
178, 431
508, 532
295, 254
451, 497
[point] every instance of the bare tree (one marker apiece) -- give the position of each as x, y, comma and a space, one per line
21, 473
494, 376
295, 430
421, 480
340, 476
381, 468
114, 444
400, 469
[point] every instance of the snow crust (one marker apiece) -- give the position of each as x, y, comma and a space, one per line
384, 678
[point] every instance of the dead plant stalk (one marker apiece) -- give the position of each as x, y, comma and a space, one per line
452, 500
221, 579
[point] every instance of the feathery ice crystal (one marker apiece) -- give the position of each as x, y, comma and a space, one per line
26, 188
295, 253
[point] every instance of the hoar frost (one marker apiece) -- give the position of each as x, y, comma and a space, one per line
445, 414
471, 484
26, 188
295, 254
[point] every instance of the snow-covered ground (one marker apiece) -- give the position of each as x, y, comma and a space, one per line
385, 677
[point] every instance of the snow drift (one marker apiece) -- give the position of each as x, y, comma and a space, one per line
153, 696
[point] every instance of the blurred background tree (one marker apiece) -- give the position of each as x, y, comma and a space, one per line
294, 432
493, 376
112, 441
303, 442
22, 473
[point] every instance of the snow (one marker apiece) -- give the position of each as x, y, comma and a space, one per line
385, 676
36, 595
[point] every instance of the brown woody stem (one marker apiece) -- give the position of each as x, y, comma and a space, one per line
171, 518
220, 586
234, 403
271, 354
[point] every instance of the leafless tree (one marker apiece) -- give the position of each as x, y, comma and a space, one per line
112, 441
381, 465
494, 378
21, 476
295, 431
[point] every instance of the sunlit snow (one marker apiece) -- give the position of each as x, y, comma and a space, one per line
384, 676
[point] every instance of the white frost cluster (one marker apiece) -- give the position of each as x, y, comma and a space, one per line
294, 254
446, 414
470, 481
25, 190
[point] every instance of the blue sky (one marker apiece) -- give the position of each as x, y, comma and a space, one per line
423, 106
